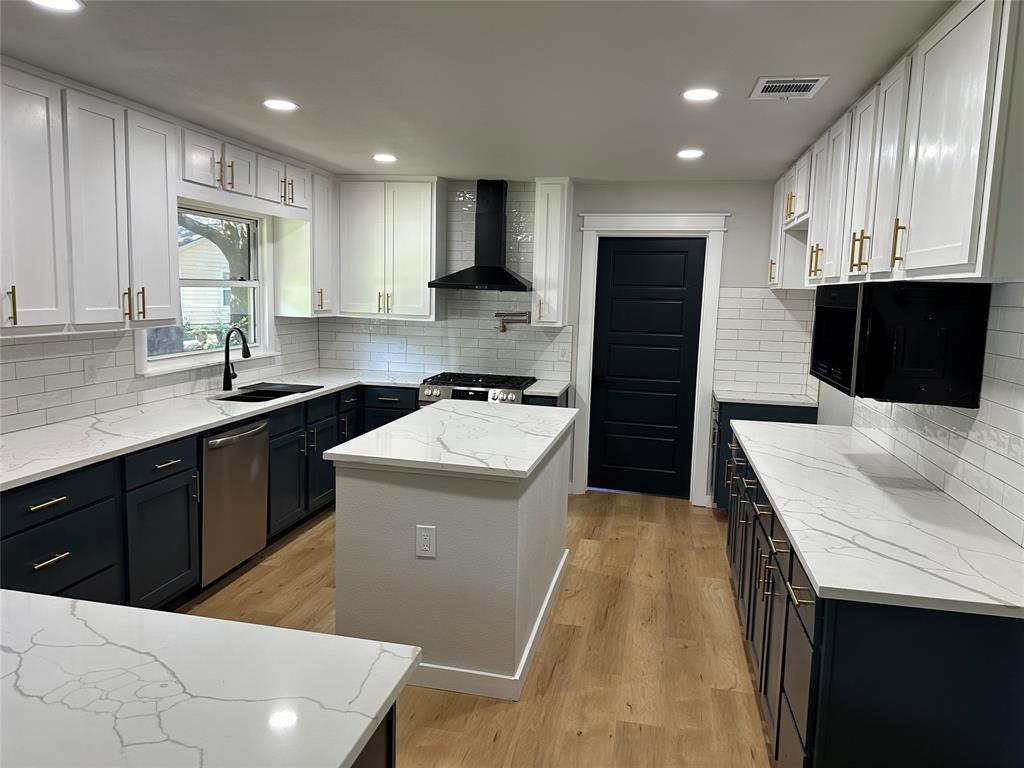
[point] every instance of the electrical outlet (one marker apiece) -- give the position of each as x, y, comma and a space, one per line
426, 541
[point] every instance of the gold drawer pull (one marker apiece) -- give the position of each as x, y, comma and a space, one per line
312, 434
51, 561
46, 504
740, 462
732, 446
380, 295
775, 543
767, 592
896, 229
305, 443
383, 399
792, 595
13, 293
140, 303
231, 168
195, 495
749, 483
167, 464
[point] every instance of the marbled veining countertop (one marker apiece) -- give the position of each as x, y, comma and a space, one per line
40, 452
869, 528
87, 684
547, 388
500, 441
724, 395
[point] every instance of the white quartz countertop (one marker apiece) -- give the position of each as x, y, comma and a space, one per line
33, 454
723, 395
492, 439
547, 388
869, 528
87, 684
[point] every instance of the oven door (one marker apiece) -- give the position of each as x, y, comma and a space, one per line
834, 340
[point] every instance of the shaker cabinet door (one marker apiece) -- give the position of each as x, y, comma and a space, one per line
361, 247
201, 155
408, 247
858, 189
287, 480
239, 170
270, 179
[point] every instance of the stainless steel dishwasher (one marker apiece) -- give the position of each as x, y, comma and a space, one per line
234, 497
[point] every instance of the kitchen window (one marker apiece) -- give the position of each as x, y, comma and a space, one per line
219, 273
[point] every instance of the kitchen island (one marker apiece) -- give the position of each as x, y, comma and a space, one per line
474, 589
89, 684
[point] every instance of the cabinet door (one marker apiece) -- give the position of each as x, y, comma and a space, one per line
323, 273
34, 257
323, 435
298, 192
348, 425
162, 527
890, 132
551, 244
287, 480
774, 646
858, 190
153, 217
270, 179
239, 170
951, 85
818, 227
780, 201
361, 247
201, 155
800, 188
378, 417
837, 243
97, 210
757, 612
408, 247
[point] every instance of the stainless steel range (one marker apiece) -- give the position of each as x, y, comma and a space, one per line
481, 387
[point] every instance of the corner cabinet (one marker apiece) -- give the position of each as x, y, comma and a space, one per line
391, 236
552, 245
305, 257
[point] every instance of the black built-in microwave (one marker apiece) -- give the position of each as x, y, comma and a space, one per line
904, 341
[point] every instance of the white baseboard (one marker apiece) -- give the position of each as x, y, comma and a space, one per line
480, 683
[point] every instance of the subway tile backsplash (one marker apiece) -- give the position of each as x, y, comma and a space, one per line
764, 340
974, 455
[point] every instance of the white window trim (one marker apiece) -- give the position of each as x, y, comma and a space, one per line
266, 348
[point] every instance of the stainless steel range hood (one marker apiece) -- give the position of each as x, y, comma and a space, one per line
488, 272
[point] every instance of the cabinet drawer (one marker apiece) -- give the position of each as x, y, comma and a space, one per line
287, 419
74, 546
348, 399
791, 749
107, 586
321, 408
378, 417
45, 500
540, 400
159, 462
798, 671
805, 594
390, 397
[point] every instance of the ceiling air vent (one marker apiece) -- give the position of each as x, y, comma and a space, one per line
782, 88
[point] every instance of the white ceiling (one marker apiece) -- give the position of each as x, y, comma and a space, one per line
485, 89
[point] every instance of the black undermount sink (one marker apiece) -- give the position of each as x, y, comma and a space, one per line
264, 391
254, 396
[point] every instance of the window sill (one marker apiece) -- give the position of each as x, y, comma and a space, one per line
194, 362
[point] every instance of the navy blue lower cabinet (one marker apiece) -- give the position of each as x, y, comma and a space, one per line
162, 527
107, 586
348, 424
288, 465
378, 417
554, 402
323, 435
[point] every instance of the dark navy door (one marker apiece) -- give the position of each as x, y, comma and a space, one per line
646, 329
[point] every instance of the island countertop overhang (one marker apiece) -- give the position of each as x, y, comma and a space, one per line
482, 439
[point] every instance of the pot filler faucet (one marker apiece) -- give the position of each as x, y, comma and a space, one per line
229, 367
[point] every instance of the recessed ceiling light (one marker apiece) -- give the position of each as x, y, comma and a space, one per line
384, 157
63, 6
280, 105
689, 154
700, 94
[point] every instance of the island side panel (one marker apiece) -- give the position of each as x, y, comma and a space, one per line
543, 511
458, 607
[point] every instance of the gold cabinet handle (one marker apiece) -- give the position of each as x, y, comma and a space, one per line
284, 189
860, 250
140, 304
291, 190
391, 304
771, 270
220, 173
305, 443
732, 446
540, 301
853, 251
383, 399
51, 561
231, 170
321, 293
766, 593
797, 602
379, 297
762, 509
45, 504
312, 434
762, 562
195, 476
896, 228
775, 543
127, 295
167, 464
813, 268
13, 317
749, 483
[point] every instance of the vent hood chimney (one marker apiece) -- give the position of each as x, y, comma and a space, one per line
488, 272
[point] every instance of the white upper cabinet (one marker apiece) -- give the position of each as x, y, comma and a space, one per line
798, 192
890, 134
324, 280
201, 158
34, 257
858, 190
153, 220
305, 260
552, 241
780, 203
951, 89
817, 230
270, 179
97, 210
297, 186
390, 235
837, 239
239, 170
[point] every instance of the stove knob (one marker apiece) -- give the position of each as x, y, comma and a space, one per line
511, 397
494, 395
435, 392
504, 397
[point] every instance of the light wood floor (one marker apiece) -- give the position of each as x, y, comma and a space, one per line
641, 662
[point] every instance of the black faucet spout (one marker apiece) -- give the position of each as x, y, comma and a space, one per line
229, 368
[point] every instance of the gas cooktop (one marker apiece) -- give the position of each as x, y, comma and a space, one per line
495, 388
481, 380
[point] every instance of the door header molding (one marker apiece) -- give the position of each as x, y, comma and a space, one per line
676, 224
